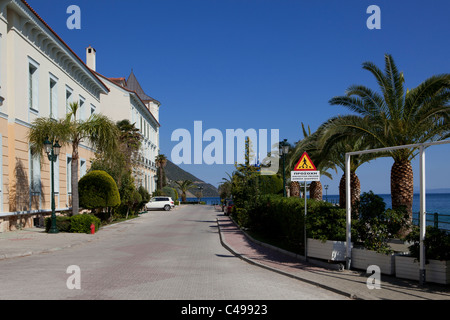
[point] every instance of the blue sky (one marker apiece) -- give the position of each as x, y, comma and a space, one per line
261, 64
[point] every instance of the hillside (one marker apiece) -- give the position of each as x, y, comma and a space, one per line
175, 173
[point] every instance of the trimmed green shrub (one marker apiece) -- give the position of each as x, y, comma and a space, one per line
98, 190
277, 217
374, 225
82, 223
170, 192
437, 243
62, 223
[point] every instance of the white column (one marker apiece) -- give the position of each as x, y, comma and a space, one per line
423, 215
348, 205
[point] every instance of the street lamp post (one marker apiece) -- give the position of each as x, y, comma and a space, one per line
200, 194
326, 192
52, 150
284, 149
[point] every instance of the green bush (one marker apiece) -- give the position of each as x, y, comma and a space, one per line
82, 223
62, 223
98, 190
170, 192
76, 224
437, 243
282, 218
374, 225
242, 217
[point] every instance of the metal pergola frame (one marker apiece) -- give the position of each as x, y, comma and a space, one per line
422, 218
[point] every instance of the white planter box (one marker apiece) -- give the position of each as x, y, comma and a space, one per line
328, 250
436, 271
362, 259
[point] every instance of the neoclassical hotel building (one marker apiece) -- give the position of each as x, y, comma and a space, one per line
39, 76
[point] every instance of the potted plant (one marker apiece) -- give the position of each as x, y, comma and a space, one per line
375, 226
326, 231
437, 254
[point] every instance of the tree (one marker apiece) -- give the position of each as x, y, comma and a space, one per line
98, 190
312, 145
161, 162
334, 147
98, 131
184, 186
396, 117
130, 142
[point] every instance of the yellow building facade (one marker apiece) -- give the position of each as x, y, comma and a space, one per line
39, 77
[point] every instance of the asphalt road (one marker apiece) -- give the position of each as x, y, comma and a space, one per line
173, 255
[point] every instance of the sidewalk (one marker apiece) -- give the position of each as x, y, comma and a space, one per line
349, 283
27, 242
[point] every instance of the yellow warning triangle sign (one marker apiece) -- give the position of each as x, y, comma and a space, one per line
305, 164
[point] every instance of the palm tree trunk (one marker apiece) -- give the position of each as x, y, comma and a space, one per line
295, 189
402, 188
355, 190
315, 190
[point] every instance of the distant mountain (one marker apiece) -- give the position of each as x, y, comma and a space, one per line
175, 173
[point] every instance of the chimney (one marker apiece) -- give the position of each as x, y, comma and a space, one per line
90, 57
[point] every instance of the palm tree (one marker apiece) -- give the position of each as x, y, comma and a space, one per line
98, 131
334, 147
184, 186
398, 117
161, 162
311, 145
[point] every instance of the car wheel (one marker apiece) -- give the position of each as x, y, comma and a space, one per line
167, 207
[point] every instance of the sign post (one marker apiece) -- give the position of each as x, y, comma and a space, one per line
305, 170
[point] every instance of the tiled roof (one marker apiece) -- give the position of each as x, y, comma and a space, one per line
133, 85
131, 91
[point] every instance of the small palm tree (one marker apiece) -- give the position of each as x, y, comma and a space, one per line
311, 145
184, 186
161, 162
396, 117
98, 131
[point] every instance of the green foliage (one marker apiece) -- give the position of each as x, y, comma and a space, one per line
170, 192
242, 217
276, 217
62, 223
272, 184
75, 224
326, 222
131, 198
145, 197
82, 223
184, 186
370, 205
375, 225
98, 190
437, 243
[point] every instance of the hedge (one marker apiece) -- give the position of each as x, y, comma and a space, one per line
82, 223
76, 224
277, 217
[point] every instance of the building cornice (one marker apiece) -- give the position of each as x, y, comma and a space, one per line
37, 31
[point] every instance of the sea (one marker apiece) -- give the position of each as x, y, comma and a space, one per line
437, 207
